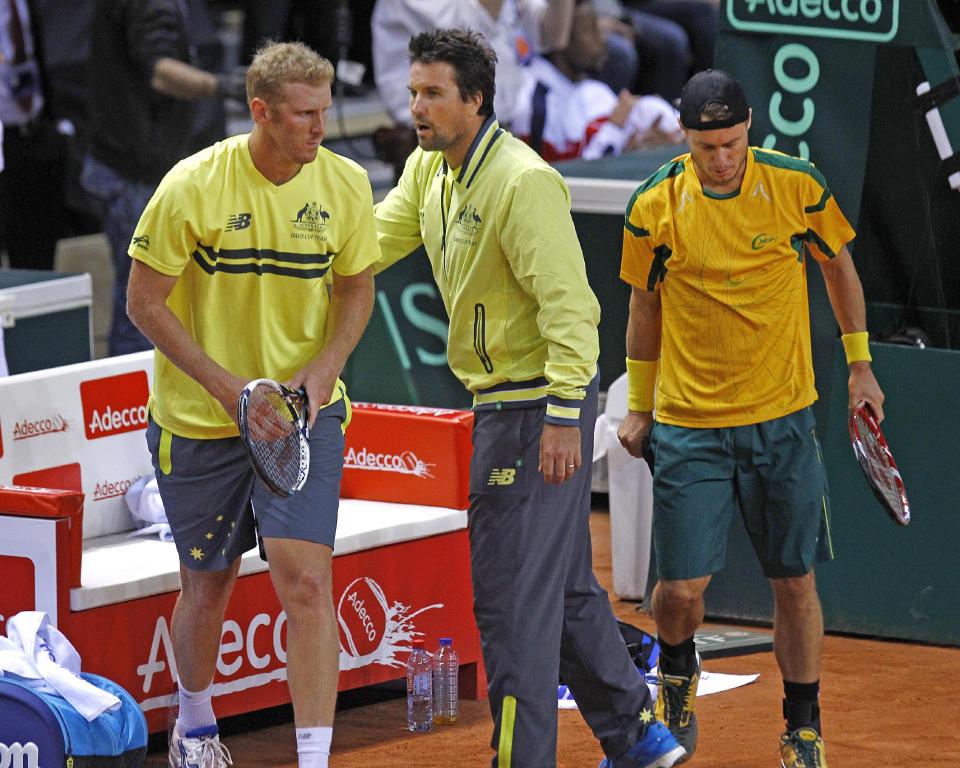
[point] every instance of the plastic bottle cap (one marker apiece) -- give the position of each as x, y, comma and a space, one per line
446, 641
419, 644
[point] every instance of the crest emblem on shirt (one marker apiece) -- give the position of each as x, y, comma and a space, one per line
469, 219
311, 216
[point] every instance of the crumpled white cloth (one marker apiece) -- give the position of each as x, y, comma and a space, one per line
43, 658
146, 506
630, 490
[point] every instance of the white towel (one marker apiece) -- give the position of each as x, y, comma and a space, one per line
146, 506
45, 659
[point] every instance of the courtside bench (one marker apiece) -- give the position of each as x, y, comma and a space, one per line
72, 442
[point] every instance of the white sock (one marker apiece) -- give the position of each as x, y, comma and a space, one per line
196, 709
313, 747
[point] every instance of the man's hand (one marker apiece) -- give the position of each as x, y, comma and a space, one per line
863, 387
559, 453
621, 112
634, 429
317, 378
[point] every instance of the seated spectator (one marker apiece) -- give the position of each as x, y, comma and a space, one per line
674, 39
515, 29
564, 114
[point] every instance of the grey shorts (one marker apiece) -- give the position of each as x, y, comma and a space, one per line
215, 504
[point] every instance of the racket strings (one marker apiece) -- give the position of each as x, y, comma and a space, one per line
881, 470
274, 438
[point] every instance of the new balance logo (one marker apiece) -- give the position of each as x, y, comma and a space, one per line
502, 477
239, 221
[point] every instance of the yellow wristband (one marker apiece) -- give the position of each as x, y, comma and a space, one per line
641, 384
857, 346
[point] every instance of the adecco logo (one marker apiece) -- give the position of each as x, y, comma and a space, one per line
876, 20
406, 463
115, 404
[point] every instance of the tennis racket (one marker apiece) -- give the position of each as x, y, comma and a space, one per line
876, 461
273, 427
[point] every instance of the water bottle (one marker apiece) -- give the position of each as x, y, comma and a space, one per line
419, 689
446, 671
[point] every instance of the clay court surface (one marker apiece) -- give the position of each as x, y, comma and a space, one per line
886, 705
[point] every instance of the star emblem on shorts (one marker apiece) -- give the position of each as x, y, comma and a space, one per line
209, 536
196, 553
219, 518
646, 716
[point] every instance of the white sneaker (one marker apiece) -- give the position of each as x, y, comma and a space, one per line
201, 749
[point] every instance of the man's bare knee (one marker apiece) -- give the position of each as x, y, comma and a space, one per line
680, 595
307, 590
208, 589
795, 590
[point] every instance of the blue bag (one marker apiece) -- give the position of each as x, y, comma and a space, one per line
40, 729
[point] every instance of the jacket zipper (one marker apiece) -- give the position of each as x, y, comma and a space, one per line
480, 336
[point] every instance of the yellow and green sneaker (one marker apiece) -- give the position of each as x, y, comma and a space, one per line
676, 700
802, 748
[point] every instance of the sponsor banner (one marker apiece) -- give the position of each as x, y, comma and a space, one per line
408, 454
862, 20
79, 427
115, 404
382, 605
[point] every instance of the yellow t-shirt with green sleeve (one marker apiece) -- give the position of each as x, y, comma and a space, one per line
253, 262
505, 256
731, 272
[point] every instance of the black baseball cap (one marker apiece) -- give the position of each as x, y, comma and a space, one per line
713, 86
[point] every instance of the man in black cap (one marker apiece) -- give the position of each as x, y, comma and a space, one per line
716, 246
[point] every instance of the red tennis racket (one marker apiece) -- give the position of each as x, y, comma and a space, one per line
876, 461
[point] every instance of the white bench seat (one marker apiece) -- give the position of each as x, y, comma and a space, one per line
119, 567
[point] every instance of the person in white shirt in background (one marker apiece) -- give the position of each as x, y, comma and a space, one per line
515, 29
564, 114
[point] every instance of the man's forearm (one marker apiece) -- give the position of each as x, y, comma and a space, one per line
351, 308
149, 312
180, 80
643, 326
845, 293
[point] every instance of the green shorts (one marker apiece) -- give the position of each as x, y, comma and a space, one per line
772, 472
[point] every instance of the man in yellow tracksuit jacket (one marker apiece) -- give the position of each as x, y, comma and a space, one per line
495, 222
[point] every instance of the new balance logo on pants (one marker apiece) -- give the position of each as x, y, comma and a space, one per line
502, 476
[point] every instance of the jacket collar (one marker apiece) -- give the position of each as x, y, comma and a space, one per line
479, 149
